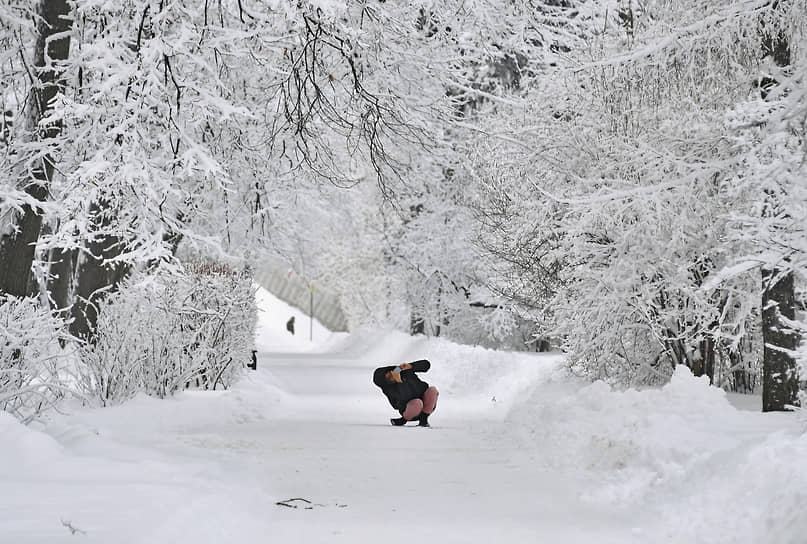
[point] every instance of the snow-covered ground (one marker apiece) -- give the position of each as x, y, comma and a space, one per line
301, 451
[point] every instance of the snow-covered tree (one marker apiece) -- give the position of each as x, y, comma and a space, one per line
420, 237
36, 42
624, 186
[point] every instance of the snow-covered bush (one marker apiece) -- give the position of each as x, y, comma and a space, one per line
165, 332
491, 326
29, 357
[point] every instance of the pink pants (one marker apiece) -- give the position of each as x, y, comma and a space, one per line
415, 406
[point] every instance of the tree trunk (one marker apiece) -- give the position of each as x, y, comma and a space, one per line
417, 324
742, 379
707, 357
94, 281
17, 245
95, 276
779, 374
780, 383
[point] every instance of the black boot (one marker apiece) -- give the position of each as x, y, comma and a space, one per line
398, 421
424, 420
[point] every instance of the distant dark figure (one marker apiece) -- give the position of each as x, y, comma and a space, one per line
290, 325
412, 397
254, 364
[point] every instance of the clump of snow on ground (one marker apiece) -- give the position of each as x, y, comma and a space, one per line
23, 446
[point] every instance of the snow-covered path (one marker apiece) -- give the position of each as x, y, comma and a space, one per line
212, 467
460, 481
314, 427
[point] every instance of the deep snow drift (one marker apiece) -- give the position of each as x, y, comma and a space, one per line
518, 452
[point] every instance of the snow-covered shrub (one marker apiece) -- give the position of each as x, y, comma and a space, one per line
29, 357
494, 326
164, 332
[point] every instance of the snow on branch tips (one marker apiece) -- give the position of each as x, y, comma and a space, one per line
30, 358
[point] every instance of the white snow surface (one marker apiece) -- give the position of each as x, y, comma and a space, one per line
518, 452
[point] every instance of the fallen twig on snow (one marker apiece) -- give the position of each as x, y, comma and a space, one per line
73, 530
287, 501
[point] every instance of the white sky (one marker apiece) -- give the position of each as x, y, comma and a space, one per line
518, 452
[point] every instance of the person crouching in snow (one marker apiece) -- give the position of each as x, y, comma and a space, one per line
412, 397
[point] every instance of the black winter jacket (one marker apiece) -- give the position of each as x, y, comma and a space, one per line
411, 387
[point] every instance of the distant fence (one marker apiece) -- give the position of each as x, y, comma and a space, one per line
294, 290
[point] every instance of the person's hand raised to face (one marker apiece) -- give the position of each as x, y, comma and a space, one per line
394, 376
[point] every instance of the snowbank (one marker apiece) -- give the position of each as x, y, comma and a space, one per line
683, 448
753, 495
644, 438
24, 448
